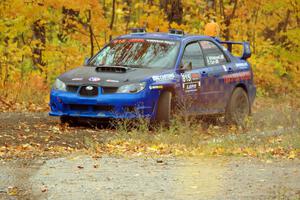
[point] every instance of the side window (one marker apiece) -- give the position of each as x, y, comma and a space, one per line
193, 54
212, 53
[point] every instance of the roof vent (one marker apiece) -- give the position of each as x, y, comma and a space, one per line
176, 32
138, 30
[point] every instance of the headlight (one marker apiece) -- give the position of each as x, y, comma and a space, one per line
59, 85
132, 88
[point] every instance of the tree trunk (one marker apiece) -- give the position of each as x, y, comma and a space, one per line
39, 34
254, 29
221, 8
91, 34
228, 18
112, 18
174, 10
67, 28
127, 16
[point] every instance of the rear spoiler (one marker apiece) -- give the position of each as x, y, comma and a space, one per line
246, 47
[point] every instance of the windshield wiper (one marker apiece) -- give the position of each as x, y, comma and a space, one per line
94, 65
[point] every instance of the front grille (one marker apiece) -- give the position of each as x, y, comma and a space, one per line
92, 108
72, 88
88, 91
103, 108
79, 107
109, 90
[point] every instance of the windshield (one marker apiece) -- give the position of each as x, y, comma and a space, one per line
147, 53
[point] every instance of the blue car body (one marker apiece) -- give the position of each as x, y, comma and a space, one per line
209, 87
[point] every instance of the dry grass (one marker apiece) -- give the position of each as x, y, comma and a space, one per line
272, 131
30, 94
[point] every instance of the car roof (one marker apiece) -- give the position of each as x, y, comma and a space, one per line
163, 36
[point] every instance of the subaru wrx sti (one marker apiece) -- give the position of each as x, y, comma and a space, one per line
146, 74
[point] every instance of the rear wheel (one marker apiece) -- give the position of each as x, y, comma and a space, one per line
163, 114
238, 107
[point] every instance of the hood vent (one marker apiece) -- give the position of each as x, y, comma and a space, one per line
112, 69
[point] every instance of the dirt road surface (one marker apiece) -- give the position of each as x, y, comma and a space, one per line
81, 177
78, 176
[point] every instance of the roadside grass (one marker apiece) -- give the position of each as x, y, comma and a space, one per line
26, 94
273, 131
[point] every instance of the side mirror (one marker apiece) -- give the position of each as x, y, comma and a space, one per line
185, 67
86, 61
246, 51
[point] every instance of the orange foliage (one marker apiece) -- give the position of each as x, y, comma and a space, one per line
47, 37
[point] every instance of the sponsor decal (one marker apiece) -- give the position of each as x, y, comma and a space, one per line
77, 79
136, 40
118, 41
207, 45
191, 87
189, 77
164, 77
112, 81
241, 76
213, 60
190, 82
94, 79
161, 41
195, 76
241, 65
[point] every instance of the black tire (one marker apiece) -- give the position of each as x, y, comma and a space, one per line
68, 120
163, 114
238, 107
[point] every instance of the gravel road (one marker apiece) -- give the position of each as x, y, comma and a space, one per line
82, 177
78, 176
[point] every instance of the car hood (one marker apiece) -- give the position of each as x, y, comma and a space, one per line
107, 76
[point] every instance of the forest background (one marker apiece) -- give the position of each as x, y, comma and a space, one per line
40, 39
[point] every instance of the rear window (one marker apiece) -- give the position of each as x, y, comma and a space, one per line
143, 53
212, 53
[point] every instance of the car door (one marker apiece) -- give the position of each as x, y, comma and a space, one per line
190, 79
213, 89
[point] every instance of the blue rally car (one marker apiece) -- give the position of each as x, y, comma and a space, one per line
150, 75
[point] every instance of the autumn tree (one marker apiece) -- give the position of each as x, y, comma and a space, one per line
41, 39
174, 10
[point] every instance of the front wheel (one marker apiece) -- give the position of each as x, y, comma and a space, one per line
238, 107
163, 114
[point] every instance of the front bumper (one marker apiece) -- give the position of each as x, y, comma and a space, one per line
142, 104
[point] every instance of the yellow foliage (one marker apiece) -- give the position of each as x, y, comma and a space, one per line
61, 32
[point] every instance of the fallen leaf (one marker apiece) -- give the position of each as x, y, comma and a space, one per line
292, 155
44, 188
96, 166
12, 191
